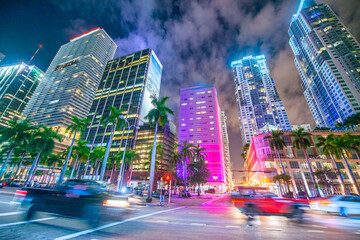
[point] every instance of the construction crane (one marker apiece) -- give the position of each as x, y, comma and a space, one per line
40, 46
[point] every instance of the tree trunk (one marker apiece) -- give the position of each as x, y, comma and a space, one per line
17, 170
3, 168
311, 174
86, 167
339, 175
32, 169
131, 170
52, 171
94, 171
112, 170
152, 166
97, 171
72, 171
283, 169
78, 170
357, 191
62, 174
103, 168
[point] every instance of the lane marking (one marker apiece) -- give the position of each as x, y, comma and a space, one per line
10, 213
198, 224
229, 226
213, 200
5, 192
5, 202
318, 226
24, 222
273, 229
113, 224
315, 231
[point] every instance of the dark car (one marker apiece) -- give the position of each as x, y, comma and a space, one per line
156, 194
211, 190
75, 198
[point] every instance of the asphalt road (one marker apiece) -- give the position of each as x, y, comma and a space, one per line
210, 217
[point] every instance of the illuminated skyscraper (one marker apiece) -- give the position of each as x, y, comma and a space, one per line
200, 124
17, 85
259, 105
69, 85
226, 147
128, 82
327, 57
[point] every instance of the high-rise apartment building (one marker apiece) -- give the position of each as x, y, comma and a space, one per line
167, 137
17, 85
327, 57
200, 124
128, 82
226, 148
259, 104
70, 83
2, 56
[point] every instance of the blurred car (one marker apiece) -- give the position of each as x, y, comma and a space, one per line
344, 205
17, 183
5, 182
156, 194
210, 190
253, 201
75, 198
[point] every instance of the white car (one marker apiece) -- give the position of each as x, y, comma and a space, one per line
344, 205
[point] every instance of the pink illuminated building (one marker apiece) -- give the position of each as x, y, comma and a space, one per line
200, 124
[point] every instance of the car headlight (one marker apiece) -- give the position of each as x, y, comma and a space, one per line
116, 203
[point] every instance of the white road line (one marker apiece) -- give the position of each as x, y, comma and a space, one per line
318, 226
213, 200
161, 221
5, 202
273, 229
315, 231
5, 192
10, 213
24, 222
198, 224
114, 224
229, 226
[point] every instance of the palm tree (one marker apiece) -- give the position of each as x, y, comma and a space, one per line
328, 149
96, 156
42, 142
277, 144
116, 119
245, 148
115, 161
79, 125
198, 153
130, 157
54, 160
159, 156
156, 116
187, 155
340, 146
82, 153
17, 134
302, 142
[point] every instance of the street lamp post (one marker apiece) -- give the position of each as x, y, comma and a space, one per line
120, 177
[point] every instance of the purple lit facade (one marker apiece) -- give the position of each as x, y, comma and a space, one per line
200, 124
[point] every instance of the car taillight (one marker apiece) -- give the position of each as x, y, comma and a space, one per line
325, 202
20, 193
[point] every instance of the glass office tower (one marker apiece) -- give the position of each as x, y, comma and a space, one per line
226, 148
259, 105
17, 85
69, 85
200, 124
327, 57
128, 82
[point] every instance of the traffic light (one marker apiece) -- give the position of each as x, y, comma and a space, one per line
167, 178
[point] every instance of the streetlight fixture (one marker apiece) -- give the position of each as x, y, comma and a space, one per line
120, 177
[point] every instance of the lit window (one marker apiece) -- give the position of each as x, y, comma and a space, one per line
191, 130
212, 128
183, 124
211, 122
211, 117
184, 104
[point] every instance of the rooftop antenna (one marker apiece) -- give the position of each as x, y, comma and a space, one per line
40, 46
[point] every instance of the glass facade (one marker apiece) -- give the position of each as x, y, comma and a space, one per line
166, 136
128, 82
69, 85
259, 105
327, 57
17, 85
226, 148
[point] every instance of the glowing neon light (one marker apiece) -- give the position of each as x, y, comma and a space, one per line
84, 34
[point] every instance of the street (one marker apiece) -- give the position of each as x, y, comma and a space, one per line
207, 217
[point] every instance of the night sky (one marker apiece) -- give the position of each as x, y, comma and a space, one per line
195, 40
